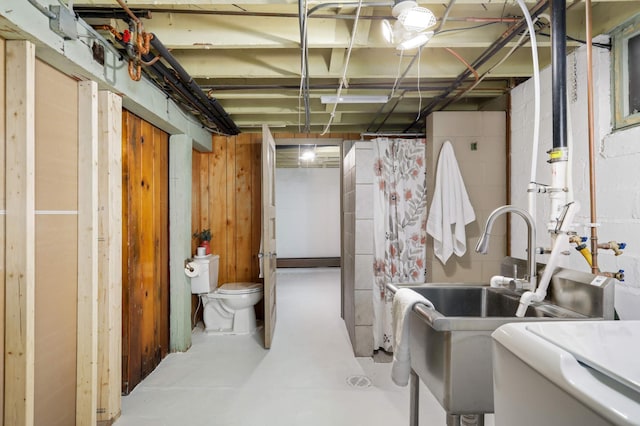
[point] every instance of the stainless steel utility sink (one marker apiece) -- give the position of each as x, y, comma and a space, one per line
451, 345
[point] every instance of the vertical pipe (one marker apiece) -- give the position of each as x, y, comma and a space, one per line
414, 398
559, 72
592, 173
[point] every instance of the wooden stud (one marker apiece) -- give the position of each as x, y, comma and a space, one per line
87, 333
109, 256
3, 207
19, 350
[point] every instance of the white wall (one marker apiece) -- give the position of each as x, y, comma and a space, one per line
617, 172
308, 212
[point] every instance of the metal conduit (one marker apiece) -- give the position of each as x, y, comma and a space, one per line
502, 41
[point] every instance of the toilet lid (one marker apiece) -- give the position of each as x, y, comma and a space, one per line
240, 288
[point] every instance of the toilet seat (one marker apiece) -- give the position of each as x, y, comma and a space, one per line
239, 288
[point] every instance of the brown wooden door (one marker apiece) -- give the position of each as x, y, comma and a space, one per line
145, 251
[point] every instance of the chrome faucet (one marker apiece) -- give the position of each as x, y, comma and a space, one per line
483, 242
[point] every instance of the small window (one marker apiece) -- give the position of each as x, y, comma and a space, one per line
626, 74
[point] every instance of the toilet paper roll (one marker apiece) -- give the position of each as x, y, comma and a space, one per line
192, 270
201, 251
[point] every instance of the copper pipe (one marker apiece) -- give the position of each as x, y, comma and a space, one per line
109, 28
124, 6
136, 74
151, 62
461, 59
499, 20
592, 169
143, 40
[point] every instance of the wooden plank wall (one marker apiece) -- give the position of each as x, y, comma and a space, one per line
227, 199
145, 286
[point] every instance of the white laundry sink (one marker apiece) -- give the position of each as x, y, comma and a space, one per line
583, 373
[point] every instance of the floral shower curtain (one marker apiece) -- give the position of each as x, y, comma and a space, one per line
399, 222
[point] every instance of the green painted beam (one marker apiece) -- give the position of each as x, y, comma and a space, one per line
179, 242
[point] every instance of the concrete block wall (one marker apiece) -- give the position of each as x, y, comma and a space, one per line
479, 143
616, 165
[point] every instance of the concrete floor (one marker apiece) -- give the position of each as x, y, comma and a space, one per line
309, 377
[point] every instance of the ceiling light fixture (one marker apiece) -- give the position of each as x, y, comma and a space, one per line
413, 17
408, 30
308, 154
354, 99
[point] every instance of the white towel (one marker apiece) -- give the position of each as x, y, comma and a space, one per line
450, 208
403, 302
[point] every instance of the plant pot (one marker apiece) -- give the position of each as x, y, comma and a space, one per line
206, 245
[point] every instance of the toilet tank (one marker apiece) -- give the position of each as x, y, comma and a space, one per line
207, 279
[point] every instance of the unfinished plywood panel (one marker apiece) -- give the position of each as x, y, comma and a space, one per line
3, 207
87, 312
56, 247
145, 249
55, 361
109, 257
19, 338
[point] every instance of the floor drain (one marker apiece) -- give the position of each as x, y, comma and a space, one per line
359, 381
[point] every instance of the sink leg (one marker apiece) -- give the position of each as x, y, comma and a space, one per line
465, 419
414, 398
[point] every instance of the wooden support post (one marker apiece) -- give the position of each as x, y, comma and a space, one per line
109, 256
87, 332
20, 234
179, 241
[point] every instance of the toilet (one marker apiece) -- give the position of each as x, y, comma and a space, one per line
228, 309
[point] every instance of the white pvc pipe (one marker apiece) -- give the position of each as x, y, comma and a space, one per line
536, 114
500, 281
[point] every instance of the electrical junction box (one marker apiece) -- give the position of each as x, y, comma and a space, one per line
64, 24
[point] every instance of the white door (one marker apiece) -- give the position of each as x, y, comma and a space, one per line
269, 233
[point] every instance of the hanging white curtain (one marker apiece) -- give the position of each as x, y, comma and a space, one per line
399, 222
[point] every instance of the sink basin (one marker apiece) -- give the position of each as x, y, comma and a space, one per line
472, 307
451, 345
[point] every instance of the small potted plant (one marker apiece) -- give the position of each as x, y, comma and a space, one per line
204, 237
